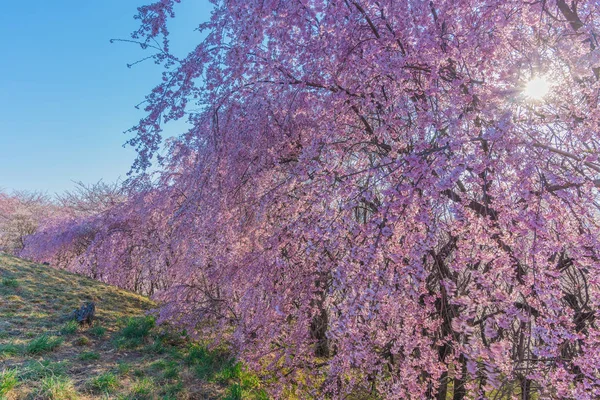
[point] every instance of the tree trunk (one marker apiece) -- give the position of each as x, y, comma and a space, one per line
320, 322
459, 383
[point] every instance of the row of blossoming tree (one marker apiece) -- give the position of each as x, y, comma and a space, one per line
368, 201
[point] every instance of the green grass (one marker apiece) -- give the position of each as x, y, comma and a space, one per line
229, 371
159, 365
170, 369
123, 368
206, 363
156, 347
69, 328
139, 373
126, 356
105, 383
88, 356
38, 370
10, 282
135, 332
171, 391
8, 381
9, 349
235, 392
97, 330
218, 366
81, 341
171, 373
142, 388
242, 384
42, 344
57, 388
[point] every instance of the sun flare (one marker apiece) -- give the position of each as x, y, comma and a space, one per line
537, 88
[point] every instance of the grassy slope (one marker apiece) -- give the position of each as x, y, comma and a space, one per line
123, 356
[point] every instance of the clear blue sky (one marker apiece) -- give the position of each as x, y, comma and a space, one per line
66, 94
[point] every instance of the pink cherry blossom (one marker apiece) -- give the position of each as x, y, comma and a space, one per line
366, 201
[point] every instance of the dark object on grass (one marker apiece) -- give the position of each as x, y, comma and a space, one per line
45, 263
85, 314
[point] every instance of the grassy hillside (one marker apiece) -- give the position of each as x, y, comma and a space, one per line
123, 355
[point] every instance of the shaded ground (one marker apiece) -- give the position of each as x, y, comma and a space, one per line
45, 355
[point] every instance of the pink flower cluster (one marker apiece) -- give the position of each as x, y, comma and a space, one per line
366, 202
